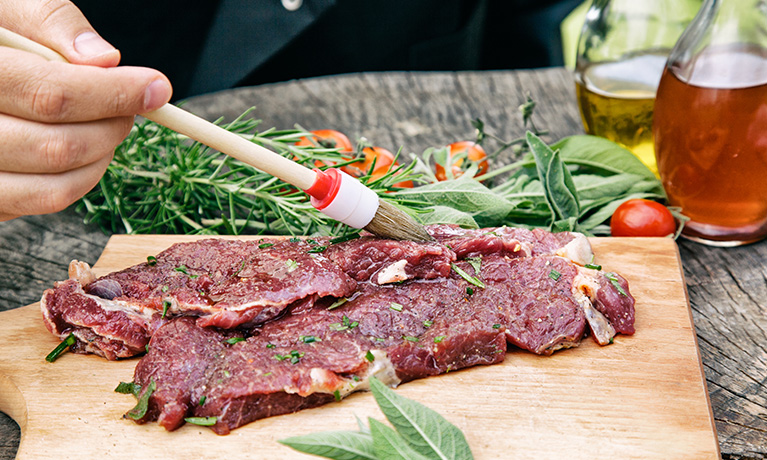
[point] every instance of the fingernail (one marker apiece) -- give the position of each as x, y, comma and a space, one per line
156, 94
90, 44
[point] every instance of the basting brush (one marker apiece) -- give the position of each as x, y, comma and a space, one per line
333, 192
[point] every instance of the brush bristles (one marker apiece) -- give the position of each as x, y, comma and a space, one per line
392, 222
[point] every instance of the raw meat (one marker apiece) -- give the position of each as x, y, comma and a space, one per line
244, 330
232, 283
401, 333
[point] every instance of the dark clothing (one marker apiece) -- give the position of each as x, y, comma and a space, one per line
219, 44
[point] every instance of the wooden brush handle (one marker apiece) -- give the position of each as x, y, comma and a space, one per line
195, 127
235, 146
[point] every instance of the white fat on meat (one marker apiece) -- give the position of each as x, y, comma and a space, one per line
393, 273
585, 287
578, 250
81, 272
325, 381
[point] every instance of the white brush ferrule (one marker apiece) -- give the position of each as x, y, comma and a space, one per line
346, 199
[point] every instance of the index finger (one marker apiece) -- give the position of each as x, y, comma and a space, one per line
56, 92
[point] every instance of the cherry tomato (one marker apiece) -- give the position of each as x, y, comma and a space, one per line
383, 159
640, 217
474, 152
328, 138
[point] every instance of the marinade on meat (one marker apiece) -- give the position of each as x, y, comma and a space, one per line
368, 307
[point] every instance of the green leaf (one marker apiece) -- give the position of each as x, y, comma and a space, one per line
425, 430
596, 191
447, 215
128, 388
521, 188
201, 421
602, 155
142, 405
560, 190
565, 225
471, 279
361, 425
594, 187
338, 445
463, 194
389, 445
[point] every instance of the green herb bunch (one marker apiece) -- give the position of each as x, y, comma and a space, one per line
419, 433
163, 182
574, 184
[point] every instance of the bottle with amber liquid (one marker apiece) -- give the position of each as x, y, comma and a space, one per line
710, 123
622, 51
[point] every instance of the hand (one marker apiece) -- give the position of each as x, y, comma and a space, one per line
59, 122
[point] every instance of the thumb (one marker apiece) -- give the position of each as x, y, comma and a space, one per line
61, 26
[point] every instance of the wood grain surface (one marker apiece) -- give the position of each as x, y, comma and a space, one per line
727, 287
643, 397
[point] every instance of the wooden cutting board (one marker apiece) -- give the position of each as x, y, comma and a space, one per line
644, 397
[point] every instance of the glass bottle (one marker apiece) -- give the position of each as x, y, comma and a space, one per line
711, 123
621, 54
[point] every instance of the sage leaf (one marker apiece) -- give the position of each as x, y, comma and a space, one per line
561, 193
600, 154
447, 215
594, 187
389, 445
463, 194
522, 189
600, 230
338, 445
361, 425
425, 430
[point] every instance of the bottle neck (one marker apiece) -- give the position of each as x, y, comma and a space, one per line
616, 29
727, 22
725, 46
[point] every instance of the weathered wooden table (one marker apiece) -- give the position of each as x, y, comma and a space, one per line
727, 287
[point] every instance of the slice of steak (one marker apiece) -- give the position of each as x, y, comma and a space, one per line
320, 352
543, 314
224, 283
228, 283
103, 327
272, 373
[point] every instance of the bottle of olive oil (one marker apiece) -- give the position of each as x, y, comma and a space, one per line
622, 51
616, 101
